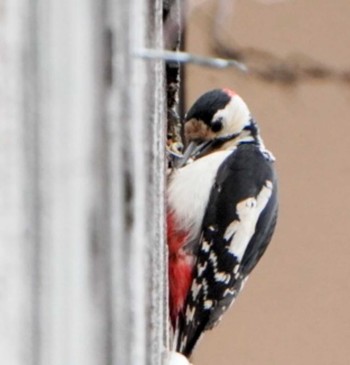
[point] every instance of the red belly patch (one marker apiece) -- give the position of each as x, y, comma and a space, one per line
180, 268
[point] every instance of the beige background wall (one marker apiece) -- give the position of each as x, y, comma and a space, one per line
295, 307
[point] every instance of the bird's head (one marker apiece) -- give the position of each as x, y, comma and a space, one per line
216, 118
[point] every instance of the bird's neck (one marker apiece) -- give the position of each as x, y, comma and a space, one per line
246, 136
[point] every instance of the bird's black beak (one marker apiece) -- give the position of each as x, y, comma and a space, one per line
194, 150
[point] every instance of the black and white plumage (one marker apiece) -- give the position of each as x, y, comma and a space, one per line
223, 205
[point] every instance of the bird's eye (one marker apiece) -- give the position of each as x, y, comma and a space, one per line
216, 125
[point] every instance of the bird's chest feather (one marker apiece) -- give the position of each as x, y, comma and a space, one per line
189, 190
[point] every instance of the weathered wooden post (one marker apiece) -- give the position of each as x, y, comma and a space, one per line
82, 260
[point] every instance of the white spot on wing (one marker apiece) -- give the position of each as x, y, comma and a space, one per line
268, 184
201, 268
231, 230
229, 292
190, 313
205, 246
241, 231
205, 286
222, 277
195, 289
268, 155
213, 258
208, 304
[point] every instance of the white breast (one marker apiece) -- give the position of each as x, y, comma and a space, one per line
189, 190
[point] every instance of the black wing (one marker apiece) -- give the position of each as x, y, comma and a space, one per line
227, 251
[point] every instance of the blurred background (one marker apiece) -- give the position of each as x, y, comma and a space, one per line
295, 306
82, 255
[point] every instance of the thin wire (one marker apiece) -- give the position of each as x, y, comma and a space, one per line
185, 57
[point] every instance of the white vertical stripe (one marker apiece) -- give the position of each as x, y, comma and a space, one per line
241, 231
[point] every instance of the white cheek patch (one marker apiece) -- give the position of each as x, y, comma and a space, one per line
241, 231
235, 116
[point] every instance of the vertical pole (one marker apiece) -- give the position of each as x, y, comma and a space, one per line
137, 165
82, 254
159, 339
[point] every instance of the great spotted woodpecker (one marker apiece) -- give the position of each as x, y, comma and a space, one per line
221, 213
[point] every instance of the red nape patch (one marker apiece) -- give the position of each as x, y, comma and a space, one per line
180, 268
229, 92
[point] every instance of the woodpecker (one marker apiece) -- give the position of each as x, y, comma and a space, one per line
221, 213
